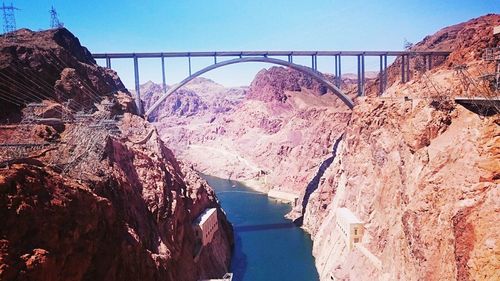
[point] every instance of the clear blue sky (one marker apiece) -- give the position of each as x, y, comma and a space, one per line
218, 25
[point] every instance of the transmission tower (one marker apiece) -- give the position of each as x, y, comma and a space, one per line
54, 20
9, 19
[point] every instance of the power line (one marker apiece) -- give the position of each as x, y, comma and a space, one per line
54, 20
9, 19
62, 64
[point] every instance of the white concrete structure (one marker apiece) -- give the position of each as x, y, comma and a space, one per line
350, 226
206, 225
496, 30
226, 277
284, 196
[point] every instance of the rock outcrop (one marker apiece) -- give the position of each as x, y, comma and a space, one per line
201, 98
275, 138
421, 172
51, 65
95, 196
468, 41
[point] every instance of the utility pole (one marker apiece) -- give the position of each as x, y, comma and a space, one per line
54, 20
9, 19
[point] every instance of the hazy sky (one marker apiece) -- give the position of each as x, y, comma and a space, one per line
227, 25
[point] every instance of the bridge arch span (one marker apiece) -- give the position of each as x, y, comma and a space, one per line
297, 67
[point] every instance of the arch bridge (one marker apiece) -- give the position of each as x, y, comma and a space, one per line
275, 57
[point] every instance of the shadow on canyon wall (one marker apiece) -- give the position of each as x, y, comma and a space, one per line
314, 183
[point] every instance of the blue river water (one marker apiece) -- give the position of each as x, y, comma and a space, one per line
267, 246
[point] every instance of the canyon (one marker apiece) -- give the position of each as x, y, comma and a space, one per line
91, 202
90, 190
419, 170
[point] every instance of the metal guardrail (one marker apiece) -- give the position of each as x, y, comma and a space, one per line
265, 53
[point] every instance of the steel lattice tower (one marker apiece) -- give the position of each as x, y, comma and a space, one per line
9, 19
54, 20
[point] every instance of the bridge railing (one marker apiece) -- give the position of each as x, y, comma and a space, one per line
337, 55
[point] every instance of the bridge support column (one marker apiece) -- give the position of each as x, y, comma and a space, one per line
163, 74
340, 73
362, 74
314, 62
108, 62
189, 61
290, 58
138, 102
359, 75
215, 58
403, 69
381, 76
336, 68
430, 62
408, 74
383, 73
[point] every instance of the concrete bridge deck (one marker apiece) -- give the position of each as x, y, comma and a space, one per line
265, 56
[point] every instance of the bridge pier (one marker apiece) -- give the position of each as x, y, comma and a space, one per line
408, 76
383, 74
314, 62
336, 70
361, 75
245, 56
138, 102
403, 69
339, 71
108, 62
163, 74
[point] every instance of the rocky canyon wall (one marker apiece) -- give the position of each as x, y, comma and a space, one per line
274, 137
420, 170
422, 173
90, 203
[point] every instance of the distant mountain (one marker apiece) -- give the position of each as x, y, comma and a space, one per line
201, 97
284, 115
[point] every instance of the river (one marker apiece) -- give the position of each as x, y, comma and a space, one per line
268, 247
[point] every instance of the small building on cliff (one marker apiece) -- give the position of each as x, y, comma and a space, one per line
205, 226
350, 226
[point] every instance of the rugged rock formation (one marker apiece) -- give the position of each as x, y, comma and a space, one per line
201, 97
51, 64
467, 40
90, 201
421, 172
286, 116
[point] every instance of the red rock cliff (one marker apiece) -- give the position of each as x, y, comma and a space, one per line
422, 173
90, 204
276, 137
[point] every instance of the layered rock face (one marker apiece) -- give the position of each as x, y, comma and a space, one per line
51, 65
419, 170
89, 203
275, 138
200, 99
422, 173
